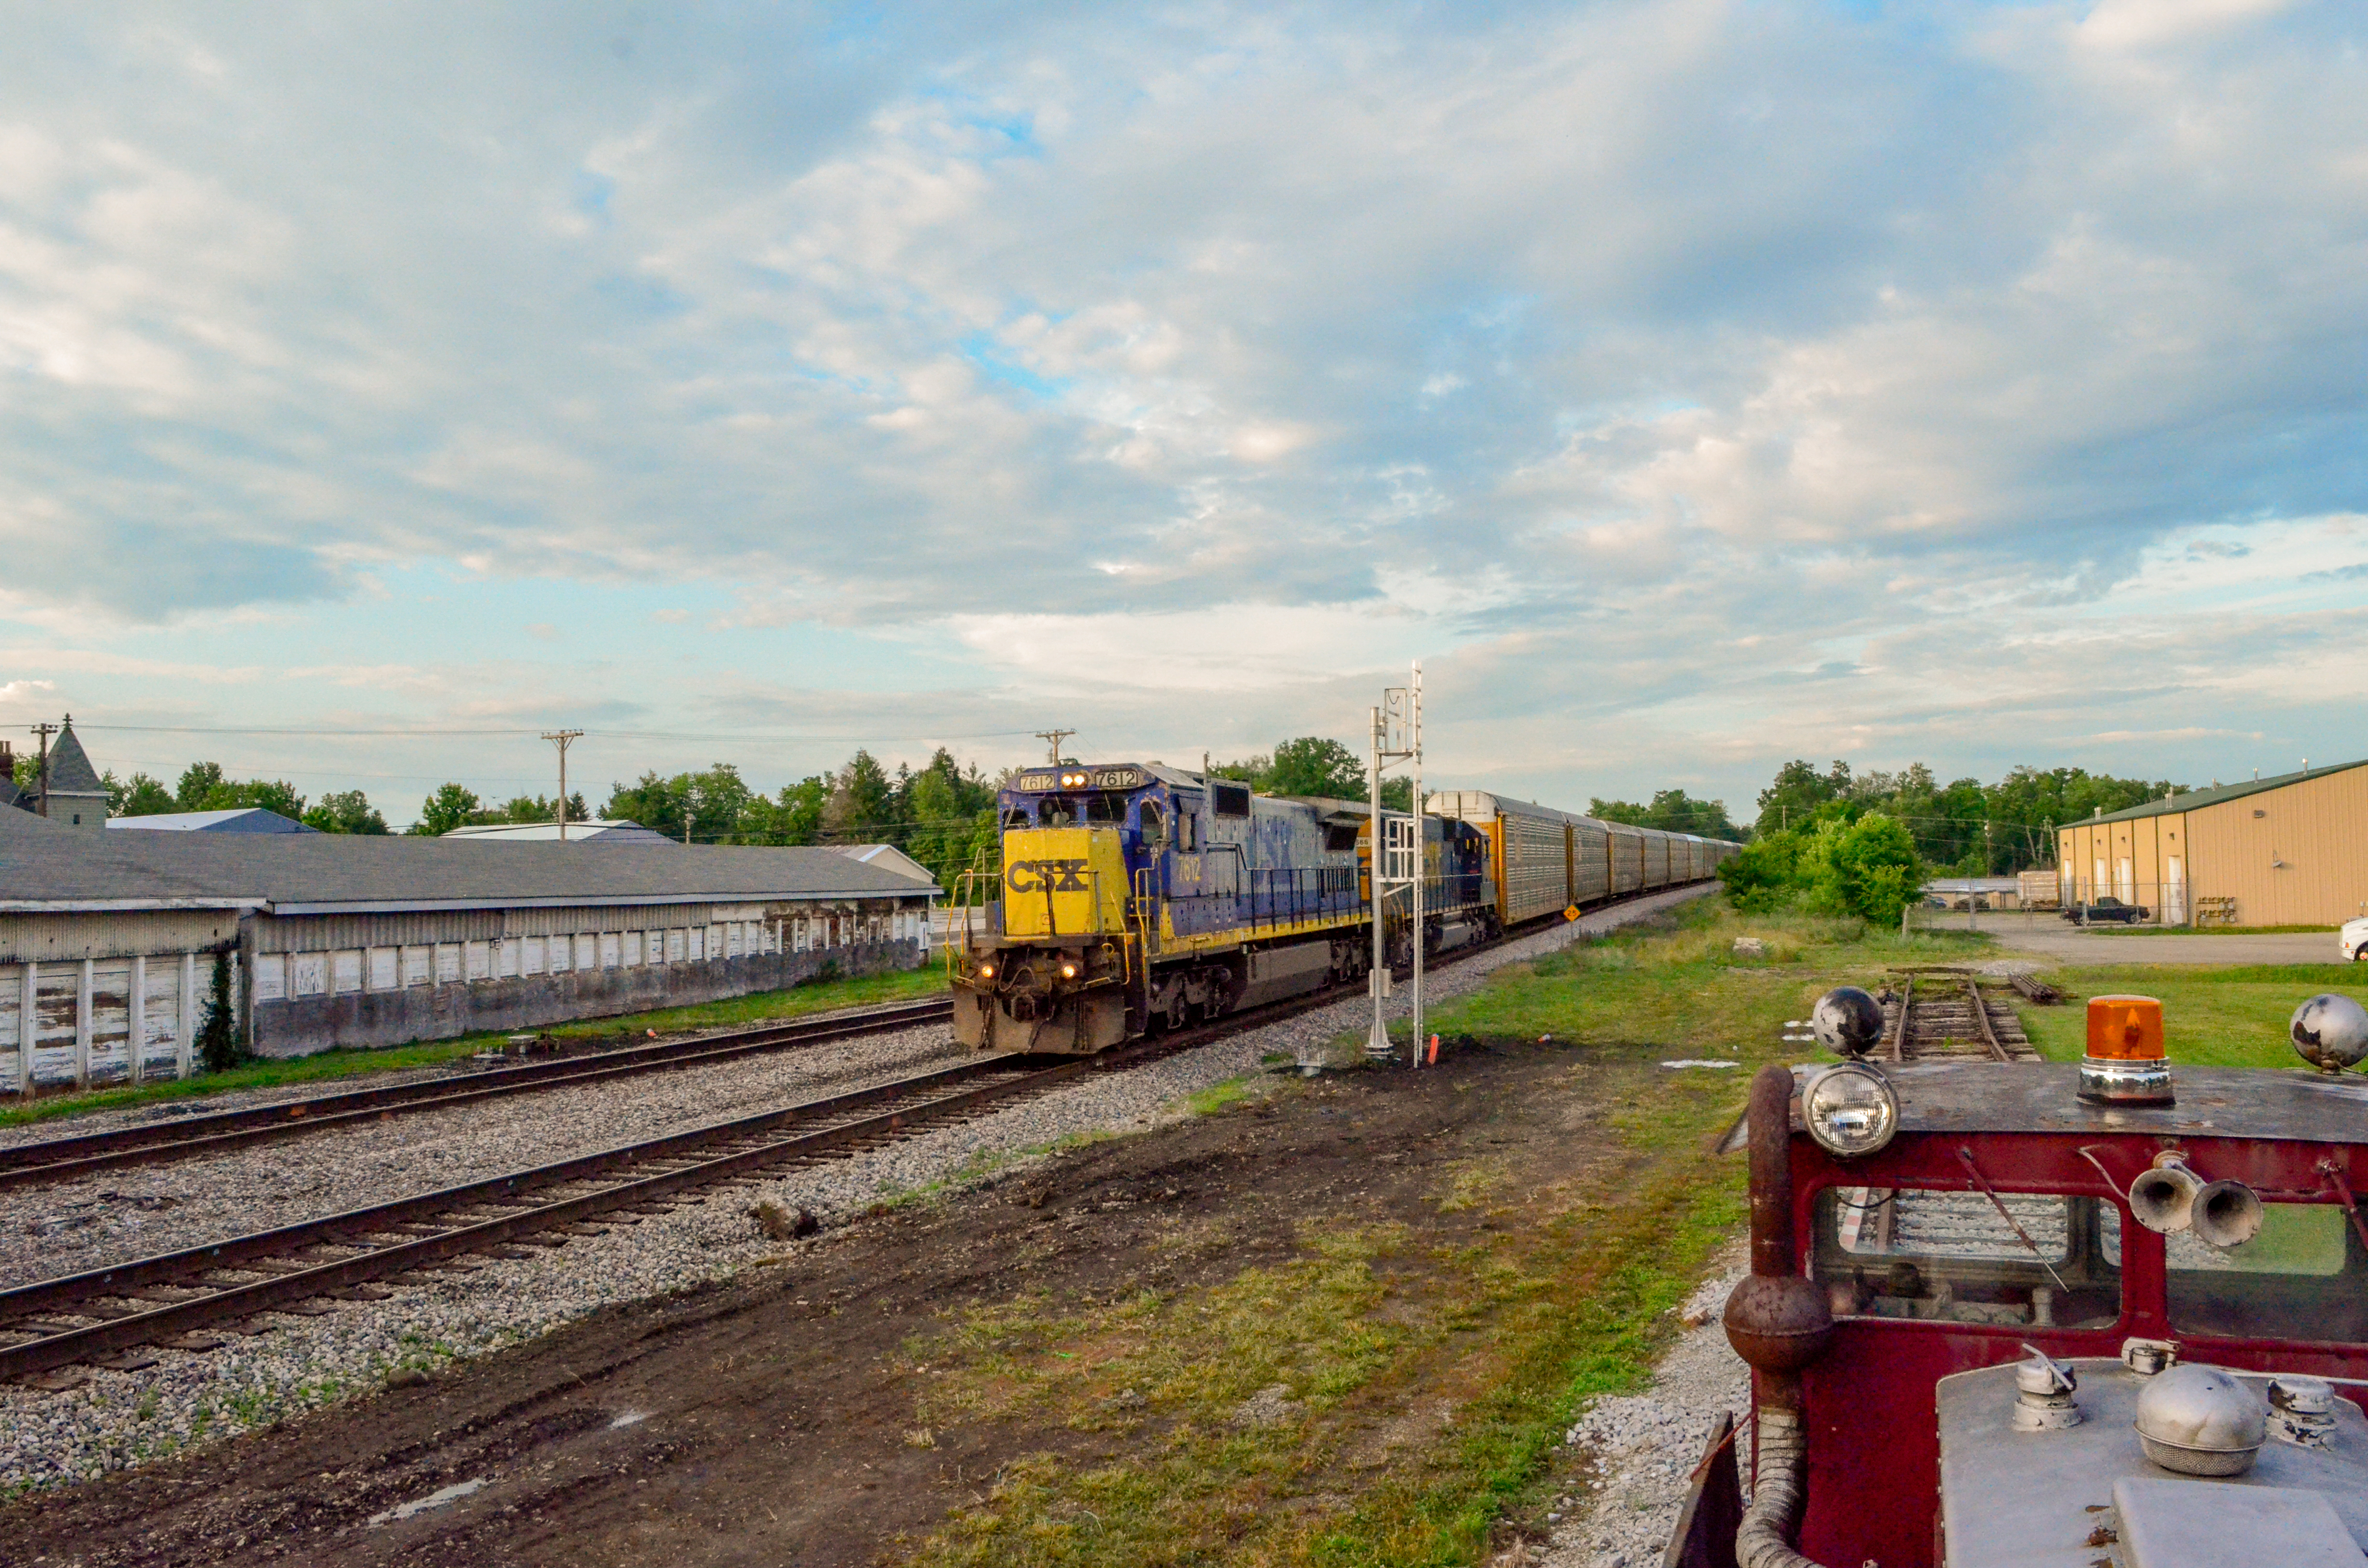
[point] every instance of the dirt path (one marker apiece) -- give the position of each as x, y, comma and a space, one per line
787, 1416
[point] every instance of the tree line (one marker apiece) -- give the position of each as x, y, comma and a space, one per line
1806, 842
1843, 844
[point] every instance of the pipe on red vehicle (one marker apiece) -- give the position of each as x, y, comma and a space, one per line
1779, 1322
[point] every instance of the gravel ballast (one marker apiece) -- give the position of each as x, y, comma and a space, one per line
123, 1418
1644, 1446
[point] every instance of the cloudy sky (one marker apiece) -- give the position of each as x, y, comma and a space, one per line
1690, 385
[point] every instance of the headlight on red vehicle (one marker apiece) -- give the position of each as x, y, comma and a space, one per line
1849, 1109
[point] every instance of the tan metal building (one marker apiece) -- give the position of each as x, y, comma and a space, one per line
2291, 850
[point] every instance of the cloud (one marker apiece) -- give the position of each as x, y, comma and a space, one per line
1693, 383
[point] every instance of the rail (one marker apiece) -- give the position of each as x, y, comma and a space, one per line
57, 1159
108, 1316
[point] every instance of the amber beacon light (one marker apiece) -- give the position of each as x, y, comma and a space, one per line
2125, 1063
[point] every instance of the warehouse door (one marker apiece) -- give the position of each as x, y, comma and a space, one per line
2174, 894
2097, 882
2125, 885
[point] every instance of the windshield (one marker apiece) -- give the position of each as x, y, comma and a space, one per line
1953, 1257
2302, 1278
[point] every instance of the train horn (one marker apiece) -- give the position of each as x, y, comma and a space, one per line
2168, 1196
2226, 1214
2163, 1196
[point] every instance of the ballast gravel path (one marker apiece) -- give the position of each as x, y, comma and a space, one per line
156, 1112
1644, 1446
111, 1216
119, 1419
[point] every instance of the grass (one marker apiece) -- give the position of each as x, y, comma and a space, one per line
1248, 1418
328, 1066
2233, 1016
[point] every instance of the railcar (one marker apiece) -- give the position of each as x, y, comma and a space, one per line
1546, 861
2110, 1315
1133, 896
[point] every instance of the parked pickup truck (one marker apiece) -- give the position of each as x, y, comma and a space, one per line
2354, 937
2107, 911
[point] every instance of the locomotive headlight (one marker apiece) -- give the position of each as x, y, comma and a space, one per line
1849, 1109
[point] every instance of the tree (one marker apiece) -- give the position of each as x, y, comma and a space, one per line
1765, 876
139, 796
1868, 868
1798, 791
345, 811
1672, 811
709, 806
453, 805
1315, 766
197, 780
862, 805
217, 1041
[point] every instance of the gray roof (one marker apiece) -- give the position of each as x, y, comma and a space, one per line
2196, 800
599, 830
236, 819
49, 867
69, 769
23, 817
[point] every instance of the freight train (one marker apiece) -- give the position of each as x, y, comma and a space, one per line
1134, 897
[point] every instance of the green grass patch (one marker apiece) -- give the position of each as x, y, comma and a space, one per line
2235, 1016
327, 1066
1217, 1096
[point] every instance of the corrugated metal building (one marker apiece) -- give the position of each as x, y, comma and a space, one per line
2290, 851
108, 942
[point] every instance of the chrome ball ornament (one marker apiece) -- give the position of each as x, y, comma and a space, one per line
1847, 1021
2331, 1033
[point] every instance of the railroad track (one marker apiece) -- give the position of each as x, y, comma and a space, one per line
1942, 1014
56, 1159
202, 1297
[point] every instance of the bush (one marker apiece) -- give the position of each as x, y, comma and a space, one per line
218, 1037
1764, 878
1869, 869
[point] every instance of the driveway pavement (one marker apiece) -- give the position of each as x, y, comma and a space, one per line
2050, 937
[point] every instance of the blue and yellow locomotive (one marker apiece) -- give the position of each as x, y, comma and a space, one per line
1135, 897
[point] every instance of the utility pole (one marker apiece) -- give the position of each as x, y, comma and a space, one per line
45, 730
1052, 739
561, 738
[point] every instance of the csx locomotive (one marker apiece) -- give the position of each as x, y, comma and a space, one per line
1134, 897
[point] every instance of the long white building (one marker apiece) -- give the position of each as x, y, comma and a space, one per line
110, 941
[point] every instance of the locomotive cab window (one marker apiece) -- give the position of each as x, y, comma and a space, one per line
1015, 817
1188, 822
1952, 1257
1339, 838
1230, 800
1106, 808
2302, 1277
1056, 810
1154, 823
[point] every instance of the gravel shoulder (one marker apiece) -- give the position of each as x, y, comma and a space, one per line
187, 1402
1638, 1451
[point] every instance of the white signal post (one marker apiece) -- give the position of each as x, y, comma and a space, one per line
1400, 857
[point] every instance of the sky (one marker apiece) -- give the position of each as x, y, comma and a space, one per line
1690, 386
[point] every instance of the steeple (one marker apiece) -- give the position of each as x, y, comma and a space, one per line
72, 795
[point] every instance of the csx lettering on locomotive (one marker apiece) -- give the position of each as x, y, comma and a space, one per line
1046, 876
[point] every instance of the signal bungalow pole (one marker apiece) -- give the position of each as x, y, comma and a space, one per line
1052, 739
1397, 857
